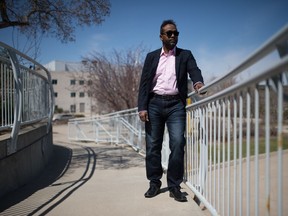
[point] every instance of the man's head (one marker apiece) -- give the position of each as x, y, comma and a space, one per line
169, 34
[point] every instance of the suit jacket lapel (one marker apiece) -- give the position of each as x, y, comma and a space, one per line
155, 62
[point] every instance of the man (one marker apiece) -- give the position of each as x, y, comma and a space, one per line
162, 100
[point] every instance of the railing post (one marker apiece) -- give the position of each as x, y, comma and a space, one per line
118, 122
12, 147
139, 144
283, 51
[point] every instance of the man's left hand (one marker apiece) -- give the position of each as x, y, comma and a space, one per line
197, 86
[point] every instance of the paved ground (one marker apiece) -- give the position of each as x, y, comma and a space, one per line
86, 179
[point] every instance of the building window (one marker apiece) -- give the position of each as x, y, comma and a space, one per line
55, 94
81, 82
72, 82
82, 107
81, 94
73, 108
54, 82
90, 82
73, 94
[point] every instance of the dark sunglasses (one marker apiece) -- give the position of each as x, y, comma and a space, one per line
169, 33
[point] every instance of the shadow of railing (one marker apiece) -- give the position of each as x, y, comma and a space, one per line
69, 170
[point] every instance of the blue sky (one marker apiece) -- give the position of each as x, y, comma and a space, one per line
219, 33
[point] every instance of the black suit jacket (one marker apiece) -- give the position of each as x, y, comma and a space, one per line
185, 63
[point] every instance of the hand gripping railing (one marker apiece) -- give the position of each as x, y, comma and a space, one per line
26, 93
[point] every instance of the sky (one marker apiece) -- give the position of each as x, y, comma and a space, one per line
219, 33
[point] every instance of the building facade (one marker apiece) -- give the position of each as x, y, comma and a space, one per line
68, 79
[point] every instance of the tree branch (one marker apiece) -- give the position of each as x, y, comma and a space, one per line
10, 24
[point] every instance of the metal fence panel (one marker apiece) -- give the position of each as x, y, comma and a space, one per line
26, 93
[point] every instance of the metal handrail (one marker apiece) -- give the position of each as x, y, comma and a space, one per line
268, 47
12, 61
200, 178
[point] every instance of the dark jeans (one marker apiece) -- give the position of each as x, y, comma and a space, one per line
173, 114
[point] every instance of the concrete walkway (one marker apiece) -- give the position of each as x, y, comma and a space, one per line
86, 179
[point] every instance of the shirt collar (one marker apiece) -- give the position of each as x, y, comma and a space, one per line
171, 52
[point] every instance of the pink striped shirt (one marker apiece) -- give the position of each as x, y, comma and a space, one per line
165, 82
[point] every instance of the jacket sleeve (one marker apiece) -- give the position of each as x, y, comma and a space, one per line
144, 86
193, 70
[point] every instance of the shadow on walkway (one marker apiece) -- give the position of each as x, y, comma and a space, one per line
57, 167
68, 170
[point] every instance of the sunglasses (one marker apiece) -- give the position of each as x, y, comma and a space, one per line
169, 33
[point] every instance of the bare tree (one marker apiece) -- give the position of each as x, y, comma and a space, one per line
223, 85
54, 17
113, 82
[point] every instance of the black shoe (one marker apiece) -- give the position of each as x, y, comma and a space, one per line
177, 194
152, 191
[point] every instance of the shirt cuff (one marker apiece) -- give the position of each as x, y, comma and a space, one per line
197, 83
142, 111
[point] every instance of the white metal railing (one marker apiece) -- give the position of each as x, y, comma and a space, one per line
235, 139
123, 127
222, 132
26, 93
235, 162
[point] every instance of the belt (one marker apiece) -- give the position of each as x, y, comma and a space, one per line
166, 97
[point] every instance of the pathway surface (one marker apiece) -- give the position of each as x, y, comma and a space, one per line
86, 179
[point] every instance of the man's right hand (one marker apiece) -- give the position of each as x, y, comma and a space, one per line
143, 115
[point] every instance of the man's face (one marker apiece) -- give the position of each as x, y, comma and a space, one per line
169, 36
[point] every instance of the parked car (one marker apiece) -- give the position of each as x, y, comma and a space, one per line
62, 118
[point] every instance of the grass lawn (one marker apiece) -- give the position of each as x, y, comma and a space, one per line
262, 147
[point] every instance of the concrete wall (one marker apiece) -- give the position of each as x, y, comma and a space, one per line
34, 149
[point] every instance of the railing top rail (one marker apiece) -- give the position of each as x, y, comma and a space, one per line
269, 46
121, 112
22, 55
12, 116
265, 74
